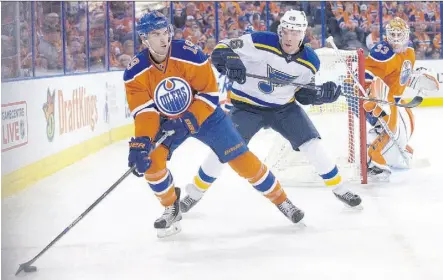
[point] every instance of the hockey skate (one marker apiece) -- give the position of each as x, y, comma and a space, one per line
169, 223
378, 173
190, 200
290, 211
348, 198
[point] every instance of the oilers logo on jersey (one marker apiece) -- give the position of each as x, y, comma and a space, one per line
267, 87
406, 71
173, 96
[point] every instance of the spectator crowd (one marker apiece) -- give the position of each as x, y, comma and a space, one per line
79, 43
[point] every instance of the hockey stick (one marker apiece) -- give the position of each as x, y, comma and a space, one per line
27, 267
416, 99
413, 103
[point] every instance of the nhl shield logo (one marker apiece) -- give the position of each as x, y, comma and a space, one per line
173, 96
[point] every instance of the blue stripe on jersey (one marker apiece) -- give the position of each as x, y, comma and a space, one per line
153, 106
266, 184
330, 174
205, 177
266, 38
210, 98
163, 185
252, 100
368, 76
309, 55
185, 50
138, 63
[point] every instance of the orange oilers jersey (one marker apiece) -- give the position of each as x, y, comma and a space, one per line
394, 69
184, 82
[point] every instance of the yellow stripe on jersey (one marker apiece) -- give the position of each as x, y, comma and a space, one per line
333, 181
243, 99
307, 63
201, 184
221, 46
236, 97
274, 50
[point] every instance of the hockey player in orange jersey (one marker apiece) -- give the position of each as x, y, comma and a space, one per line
170, 86
388, 70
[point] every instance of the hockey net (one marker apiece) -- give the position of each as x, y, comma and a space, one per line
342, 125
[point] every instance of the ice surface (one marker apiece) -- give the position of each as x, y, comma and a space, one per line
234, 233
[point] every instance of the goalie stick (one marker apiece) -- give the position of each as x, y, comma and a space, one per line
417, 100
27, 266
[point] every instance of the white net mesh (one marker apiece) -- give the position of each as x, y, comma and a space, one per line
338, 124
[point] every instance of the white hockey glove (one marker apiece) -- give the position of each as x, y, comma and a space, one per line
424, 79
378, 90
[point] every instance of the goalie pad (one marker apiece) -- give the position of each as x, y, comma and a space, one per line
424, 80
402, 135
378, 90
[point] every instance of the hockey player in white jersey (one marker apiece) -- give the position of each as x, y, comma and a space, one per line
269, 103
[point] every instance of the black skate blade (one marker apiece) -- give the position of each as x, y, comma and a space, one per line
170, 231
26, 267
357, 208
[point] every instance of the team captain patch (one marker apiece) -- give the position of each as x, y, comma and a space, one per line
173, 96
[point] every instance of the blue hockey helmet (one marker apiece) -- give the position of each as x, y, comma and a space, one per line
152, 21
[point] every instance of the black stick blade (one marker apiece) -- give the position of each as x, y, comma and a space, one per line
417, 100
26, 267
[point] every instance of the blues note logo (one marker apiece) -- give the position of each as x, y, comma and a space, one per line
279, 79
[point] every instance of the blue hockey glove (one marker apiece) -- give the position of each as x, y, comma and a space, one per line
187, 124
329, 93
139, 148
235, 69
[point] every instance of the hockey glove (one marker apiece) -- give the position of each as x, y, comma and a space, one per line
187, 124
228, 63
139, 148
235, 69
329, 93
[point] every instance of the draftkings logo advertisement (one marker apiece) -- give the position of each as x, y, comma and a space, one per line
75, 111
49, 110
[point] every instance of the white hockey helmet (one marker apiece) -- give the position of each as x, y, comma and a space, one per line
293, 20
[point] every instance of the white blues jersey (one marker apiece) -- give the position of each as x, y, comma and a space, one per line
262, 55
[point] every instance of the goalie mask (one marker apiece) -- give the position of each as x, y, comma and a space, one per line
292, 30
397, 34
155, 32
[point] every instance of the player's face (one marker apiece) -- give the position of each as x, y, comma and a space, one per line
159, 41
290, 40
398, 40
